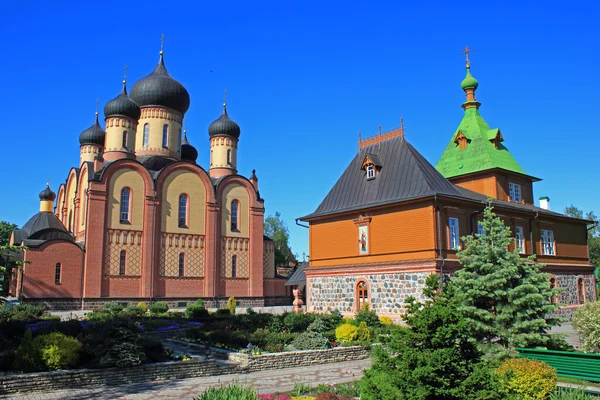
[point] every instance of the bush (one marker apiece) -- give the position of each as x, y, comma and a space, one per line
332, 320
586, 322
143, 306
99, 316
310, 341
232, 392
117, 343
259, 337
200, 303
21, 312
196, 311
385, 320
154, 350
160, 307
222, 312
570, 394
276, 324
368, 317
529, 379
46, 352
346, 333
298, 322
318, 326
363, 333
113, 307
231, 304
134, 312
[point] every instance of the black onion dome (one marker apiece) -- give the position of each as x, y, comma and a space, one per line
188, 152
160, 89
122, 105
224, 126
93, 135
47, 194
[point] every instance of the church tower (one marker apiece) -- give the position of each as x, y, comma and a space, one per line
163, 102
224, 135
121, 118
91, 142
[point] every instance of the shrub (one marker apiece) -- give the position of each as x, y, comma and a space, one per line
368, 317
259, 337
143, 306
113, 307
196, 311
99, 316
332, 319
134, 312
310, 341
570, 394
231, 304
276, 324
117, 343
586, 322
46, 352
222, 312
250, 311
160, 307
154, 350
21, 312
318, 326
363, 333
298, 322
385, 320
231, 392
27, 357
200, 303
529, 379
346, 333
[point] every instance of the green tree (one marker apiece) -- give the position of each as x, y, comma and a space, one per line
593, 233
7, 253
277, 230
434, 358
505, 297
6, 229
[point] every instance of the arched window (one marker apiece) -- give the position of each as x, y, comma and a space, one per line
181, 264
57, 274
229, 157
553, 299
146, 134
580, 290
233, 266
235, 205
362, 294
122, 262
71, 221
124, 145
165, 142
125, 204
183, 202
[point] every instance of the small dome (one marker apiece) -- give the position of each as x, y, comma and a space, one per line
160, 89
122, 105
469, 82
188, 152
47, 194
93, 135
224, 126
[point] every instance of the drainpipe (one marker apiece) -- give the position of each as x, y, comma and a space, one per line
87, 208
299, 224
152, 256
533, 247
439, 240
217, 252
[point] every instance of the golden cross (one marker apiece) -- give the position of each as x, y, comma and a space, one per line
125, 73
162, 43
224, 97
465, 53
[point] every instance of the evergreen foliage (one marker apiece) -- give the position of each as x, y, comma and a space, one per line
160, 307
504, 296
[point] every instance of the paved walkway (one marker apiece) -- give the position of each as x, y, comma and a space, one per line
572, 336
281, 380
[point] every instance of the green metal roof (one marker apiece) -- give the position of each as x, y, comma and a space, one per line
480, 154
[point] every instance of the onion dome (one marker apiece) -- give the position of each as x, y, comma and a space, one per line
224, 126
160, 89
122, 105
469, 82
188, 152
47, 194
93, 135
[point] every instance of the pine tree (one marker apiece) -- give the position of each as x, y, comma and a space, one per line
505, 297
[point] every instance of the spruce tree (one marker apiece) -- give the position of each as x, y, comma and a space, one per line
504, 296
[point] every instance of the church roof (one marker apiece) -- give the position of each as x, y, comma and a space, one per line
40, 228
404, 175
298, 277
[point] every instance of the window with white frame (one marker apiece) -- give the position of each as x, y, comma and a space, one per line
520, 239
548, 243
514, 191
146, 136
454, 235
480, 228
370, 171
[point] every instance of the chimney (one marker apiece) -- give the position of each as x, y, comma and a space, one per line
545, 202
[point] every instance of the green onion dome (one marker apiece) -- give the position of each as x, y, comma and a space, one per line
469, 82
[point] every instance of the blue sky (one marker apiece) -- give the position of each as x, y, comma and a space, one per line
303, 78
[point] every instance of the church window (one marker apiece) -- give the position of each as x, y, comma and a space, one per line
362, 294
547, 243
146, 134
235, 205
580, 290
122, 261
233, 266
165, 137
125, 204
454, 233
57, 274
181, 264
183, 204
514, 192
520, 239
228, 156
370, 171
124, 139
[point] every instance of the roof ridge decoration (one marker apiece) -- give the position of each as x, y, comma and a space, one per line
381, 137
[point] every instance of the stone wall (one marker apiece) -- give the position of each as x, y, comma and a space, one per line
302, 358
386, 292
570, 295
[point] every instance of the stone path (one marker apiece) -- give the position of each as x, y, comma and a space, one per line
281, 380
572, 336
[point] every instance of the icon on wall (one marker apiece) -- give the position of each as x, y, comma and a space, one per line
363, 239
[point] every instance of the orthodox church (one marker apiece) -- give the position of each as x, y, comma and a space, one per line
139, 220
396, 219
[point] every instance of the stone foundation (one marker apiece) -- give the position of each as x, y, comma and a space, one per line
386, 292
